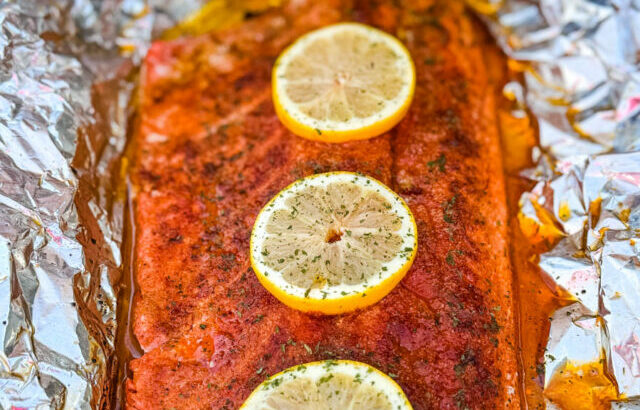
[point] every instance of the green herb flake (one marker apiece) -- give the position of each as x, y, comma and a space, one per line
450, 259
439, 163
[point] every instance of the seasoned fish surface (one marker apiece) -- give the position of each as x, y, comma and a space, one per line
209, 152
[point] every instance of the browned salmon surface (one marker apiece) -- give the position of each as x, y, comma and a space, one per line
209, 152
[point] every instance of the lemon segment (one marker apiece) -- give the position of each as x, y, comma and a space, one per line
329, 384
343, 82
332, 243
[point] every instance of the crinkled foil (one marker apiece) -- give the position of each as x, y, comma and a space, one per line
581, 74
65, 84
64, 91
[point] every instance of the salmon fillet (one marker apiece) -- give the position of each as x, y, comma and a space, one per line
209, 152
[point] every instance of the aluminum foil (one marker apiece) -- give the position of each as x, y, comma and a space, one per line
581, 82
65, 84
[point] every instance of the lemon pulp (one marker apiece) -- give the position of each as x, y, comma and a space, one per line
343, 82
329, 384
333, 242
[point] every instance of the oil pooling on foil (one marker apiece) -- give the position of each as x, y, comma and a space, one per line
66, 81
65, 85
581, 71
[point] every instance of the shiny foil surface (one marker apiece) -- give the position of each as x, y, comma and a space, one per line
65, 85
581, 71
67, 78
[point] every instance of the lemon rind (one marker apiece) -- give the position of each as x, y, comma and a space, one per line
366, 129
340, 304
398, 398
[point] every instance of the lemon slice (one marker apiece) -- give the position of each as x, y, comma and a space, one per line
343, 82
330, 384
333, 243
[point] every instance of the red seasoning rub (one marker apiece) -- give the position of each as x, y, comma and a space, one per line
210, 152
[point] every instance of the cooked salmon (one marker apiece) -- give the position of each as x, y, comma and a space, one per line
209, 152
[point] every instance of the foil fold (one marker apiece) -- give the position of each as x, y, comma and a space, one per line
580, 62
65, 85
